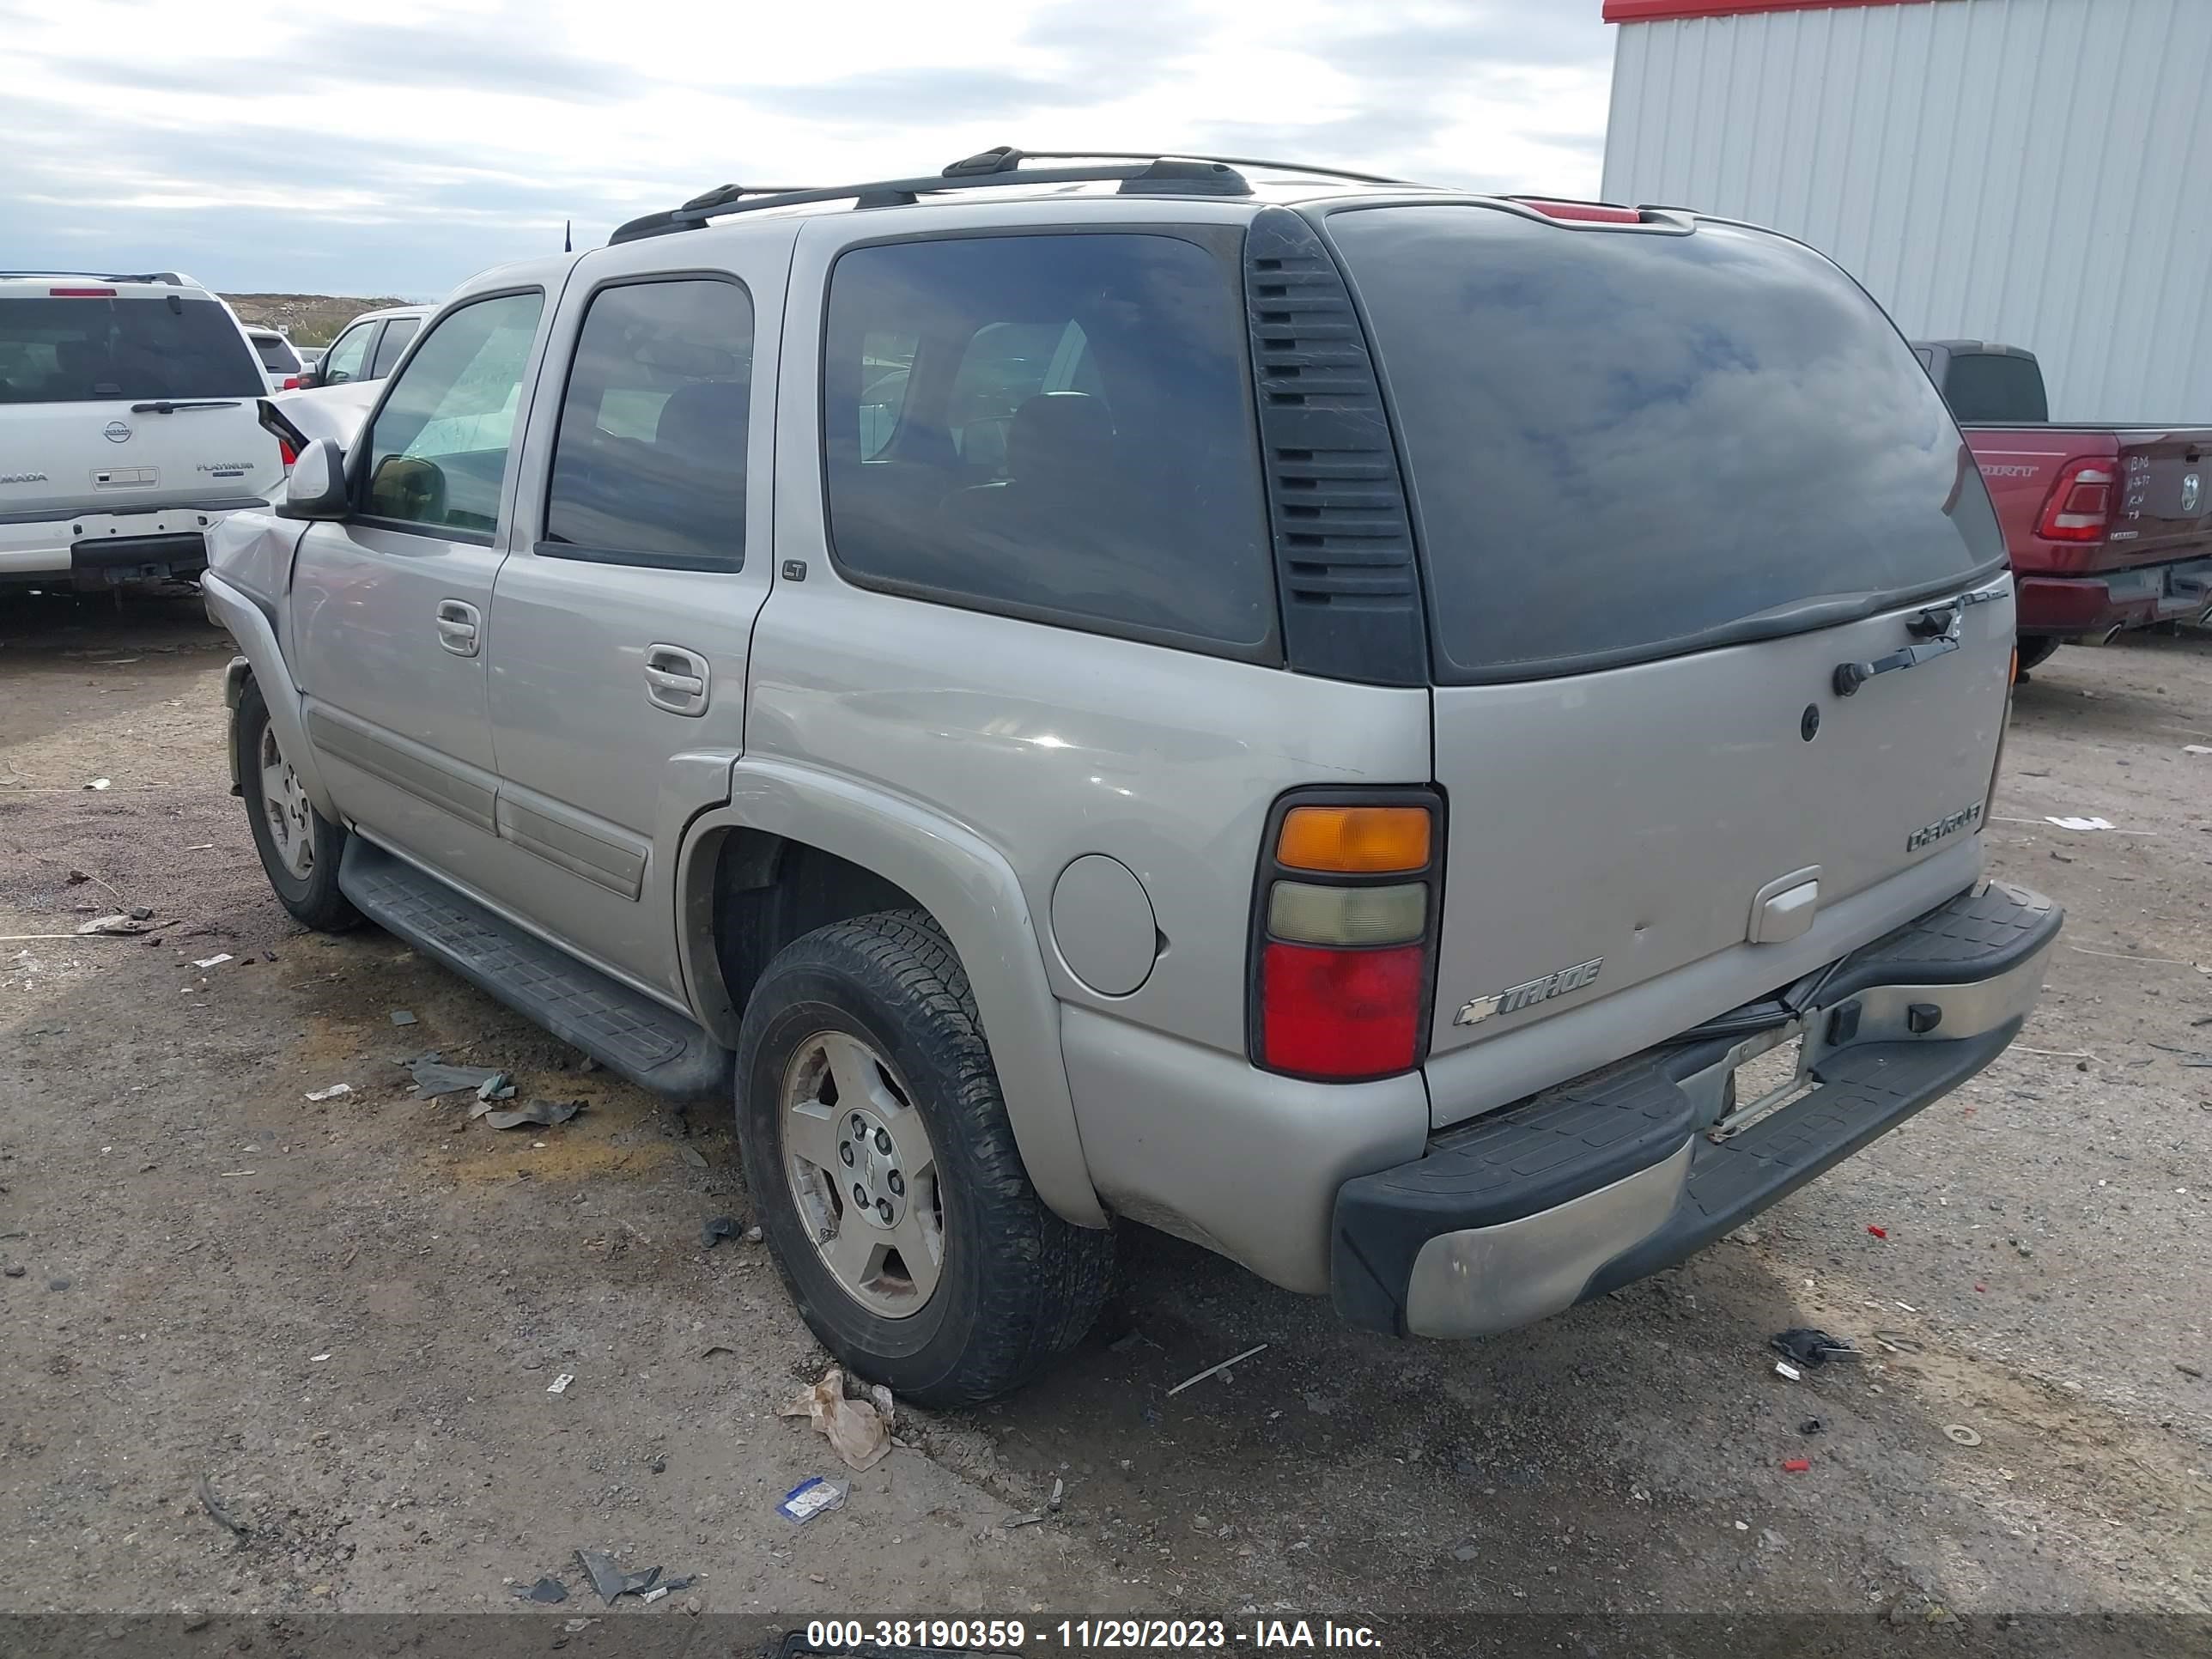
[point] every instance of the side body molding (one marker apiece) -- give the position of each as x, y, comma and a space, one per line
975, 897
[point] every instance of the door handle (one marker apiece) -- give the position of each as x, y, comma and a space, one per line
457, 627
676, 679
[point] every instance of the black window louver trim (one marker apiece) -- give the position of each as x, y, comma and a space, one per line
1344, 545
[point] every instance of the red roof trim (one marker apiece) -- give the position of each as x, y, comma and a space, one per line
1661, 11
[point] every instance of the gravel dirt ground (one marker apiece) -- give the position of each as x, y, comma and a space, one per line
345, 1316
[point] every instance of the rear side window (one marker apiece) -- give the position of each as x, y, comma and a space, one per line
397, 333
1053, 425
1622, 444
113, 351
649, 465
438, 450
1987, 385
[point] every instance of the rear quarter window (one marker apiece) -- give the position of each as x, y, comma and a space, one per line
1057, 427
1625, 444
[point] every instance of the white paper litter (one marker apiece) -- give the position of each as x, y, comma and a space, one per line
2081, 823
213, 962
859, 1431
2195, 748
331, 1093
560, 1384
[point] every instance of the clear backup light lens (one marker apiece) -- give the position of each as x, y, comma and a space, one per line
1347, 916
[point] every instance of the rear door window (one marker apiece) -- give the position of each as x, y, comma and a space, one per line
1622, 444
1054, 426
97, 350
649, 464
438, 449
397, 333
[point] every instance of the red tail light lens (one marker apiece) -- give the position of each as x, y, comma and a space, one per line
1340, 1013
285, 451
80, 293
1344, 933
2079, 506
291, 383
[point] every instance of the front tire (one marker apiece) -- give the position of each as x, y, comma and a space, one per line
298, 846
879, 1152
2035, 650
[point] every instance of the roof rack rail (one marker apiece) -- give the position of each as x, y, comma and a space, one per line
168, 277
1140, 173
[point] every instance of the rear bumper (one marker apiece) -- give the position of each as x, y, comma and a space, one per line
101, 549
1588, 1185
2071, 605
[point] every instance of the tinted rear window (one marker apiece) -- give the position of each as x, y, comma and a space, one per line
1620, 442
1987, 387
276, 354
95, 351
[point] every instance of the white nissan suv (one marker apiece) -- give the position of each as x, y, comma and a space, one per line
128, 427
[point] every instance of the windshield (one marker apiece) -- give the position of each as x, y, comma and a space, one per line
104, 350
1620, 442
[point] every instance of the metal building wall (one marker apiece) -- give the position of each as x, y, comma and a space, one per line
2038, 172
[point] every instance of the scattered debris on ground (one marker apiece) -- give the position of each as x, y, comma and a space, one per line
812, 1497
331, 1093
716, 1228
1217, 1371
547, 1592
609, 1580
433, 1077
859, 1429
223, 1517
544, 1114
1804, 1346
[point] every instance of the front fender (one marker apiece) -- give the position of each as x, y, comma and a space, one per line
256, 640
977, 899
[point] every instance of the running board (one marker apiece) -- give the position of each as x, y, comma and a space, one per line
624, 1029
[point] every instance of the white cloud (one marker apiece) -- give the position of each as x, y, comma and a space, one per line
261, 146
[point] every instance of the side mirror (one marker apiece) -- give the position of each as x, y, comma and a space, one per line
317, 487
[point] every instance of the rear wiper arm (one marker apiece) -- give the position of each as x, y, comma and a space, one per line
163, 406
1937, 627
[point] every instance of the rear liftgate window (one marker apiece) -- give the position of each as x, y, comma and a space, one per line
1055, 427
1623, 445
95, 349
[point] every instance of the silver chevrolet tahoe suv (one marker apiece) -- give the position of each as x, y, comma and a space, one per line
1323, 715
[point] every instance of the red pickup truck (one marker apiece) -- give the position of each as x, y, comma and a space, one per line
2109, 527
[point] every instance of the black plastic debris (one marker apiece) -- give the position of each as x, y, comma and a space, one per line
716, 1228
433, 1077
1812, 1426
546, 1591
1808, 1346
609, 1580
545, 1114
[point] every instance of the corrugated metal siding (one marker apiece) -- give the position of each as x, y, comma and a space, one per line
2033, 171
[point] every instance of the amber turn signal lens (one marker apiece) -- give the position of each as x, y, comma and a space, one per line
1355, 840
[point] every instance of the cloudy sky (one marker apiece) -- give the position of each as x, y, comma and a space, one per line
280, 147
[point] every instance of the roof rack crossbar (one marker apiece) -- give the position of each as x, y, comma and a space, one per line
1140, 173
1007, 158
169, 278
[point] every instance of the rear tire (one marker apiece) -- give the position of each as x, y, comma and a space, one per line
2035, 650
298, 846
883, 1165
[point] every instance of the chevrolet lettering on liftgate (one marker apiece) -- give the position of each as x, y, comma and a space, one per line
1324, 715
